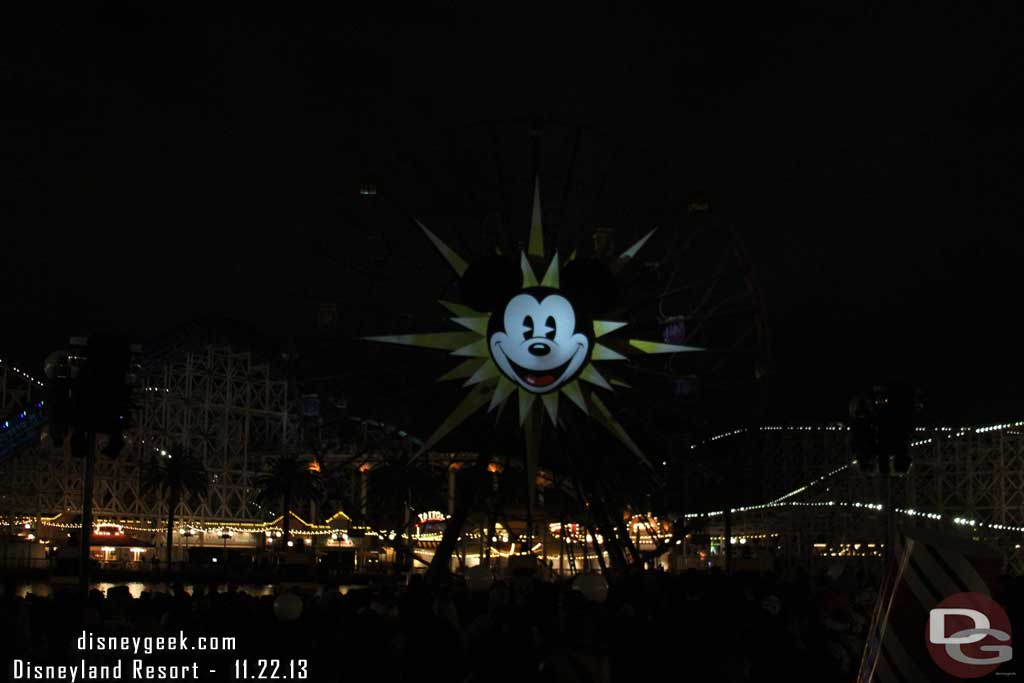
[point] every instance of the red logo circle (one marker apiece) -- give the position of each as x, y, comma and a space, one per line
968, 635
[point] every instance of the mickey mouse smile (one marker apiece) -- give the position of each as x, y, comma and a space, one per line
539, 378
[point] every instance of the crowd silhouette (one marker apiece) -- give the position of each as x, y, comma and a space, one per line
699, 625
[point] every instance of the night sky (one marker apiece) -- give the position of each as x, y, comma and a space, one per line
163, 164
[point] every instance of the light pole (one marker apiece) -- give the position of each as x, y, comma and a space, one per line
89, 389
89, 452
225, 535
187, 533
880, 434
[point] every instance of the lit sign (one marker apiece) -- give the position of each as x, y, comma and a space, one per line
431, 516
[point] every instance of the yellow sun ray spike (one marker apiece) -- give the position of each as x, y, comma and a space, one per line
501, 392
591, 374
464, 369
572, 390
476, 324
637, 246
529, 279
536, 246
620, 383
551, 406
551, 276
430, 340
477, 349
572, 256
603, 327
457, 263
473, 401
486, 371
604, 353
461, 310
501, 411
605, 417
525, 404
658, 347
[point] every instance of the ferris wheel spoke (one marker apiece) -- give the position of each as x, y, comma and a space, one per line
495, 146
719, 312
692, 283
715, 280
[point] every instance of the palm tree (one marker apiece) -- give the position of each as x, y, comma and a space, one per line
288, 481
176, 475
397, 490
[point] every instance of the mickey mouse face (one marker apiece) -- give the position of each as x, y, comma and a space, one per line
538, 345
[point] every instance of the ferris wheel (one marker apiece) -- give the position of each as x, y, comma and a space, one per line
694, 282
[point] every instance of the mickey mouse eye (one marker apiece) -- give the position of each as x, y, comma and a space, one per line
528, 324
550, 323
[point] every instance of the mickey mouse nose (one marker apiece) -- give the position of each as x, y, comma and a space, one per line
539, 349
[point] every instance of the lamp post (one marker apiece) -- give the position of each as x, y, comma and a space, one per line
89, 390
880, 434
187, 533
225, 535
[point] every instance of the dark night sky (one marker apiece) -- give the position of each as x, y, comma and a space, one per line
162, 164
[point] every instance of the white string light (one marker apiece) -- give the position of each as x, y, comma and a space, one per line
21, 372
782, 501
958, 431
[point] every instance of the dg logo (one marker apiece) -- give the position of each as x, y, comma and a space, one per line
968, 635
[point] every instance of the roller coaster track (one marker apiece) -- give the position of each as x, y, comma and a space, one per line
22, 413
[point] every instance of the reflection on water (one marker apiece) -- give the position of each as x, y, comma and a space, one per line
44, 589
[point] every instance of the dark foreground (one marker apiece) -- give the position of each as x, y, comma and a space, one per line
744, 627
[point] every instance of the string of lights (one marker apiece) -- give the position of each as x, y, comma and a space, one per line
21, 372
23, 415
574, 535
744, 537
233, 527
815, 482
956, 431
259, 528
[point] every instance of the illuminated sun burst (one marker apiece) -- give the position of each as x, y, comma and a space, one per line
491, 375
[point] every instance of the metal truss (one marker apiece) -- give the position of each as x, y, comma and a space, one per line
227, 409
18, 390
234, 414
967, 473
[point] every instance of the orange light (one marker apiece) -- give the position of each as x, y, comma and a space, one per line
314, 466
365, 467
494, 467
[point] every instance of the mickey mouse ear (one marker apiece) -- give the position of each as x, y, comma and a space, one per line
489, 283
590, 285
